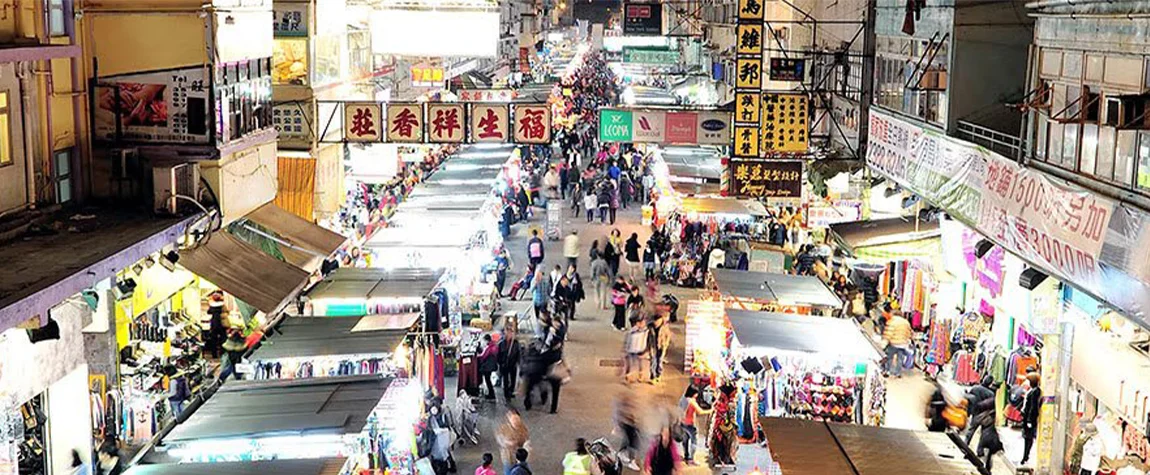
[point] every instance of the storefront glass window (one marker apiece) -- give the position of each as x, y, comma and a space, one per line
290, 61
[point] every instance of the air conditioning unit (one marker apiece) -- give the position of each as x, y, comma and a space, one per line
175, 187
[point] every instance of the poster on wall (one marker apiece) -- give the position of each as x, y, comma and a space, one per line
770, 179
160, 107
1051, 223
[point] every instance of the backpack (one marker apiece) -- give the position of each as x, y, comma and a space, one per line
535, 248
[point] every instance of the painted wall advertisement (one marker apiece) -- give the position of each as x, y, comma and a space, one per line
1082, 238
163, 106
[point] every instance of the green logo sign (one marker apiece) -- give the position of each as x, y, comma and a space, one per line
650, 56
614, 125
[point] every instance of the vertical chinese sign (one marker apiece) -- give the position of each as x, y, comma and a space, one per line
404, 123
785, 123
445, 123
489, 123
748, 78
363, 122
532, 124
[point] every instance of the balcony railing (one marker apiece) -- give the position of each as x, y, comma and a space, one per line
1004, 144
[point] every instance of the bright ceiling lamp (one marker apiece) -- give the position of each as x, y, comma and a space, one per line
429, 28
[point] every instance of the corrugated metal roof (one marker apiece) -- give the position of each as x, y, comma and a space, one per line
308, 337
263, 467
802, 333
783, 288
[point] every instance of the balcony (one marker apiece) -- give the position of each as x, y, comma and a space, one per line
1007, 145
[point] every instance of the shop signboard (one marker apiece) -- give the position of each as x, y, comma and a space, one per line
427, 76
614, 125
404, 123
293, 121
824, 214
749, 73
1050, 223
487, 95
655, 56
642, 19
746, 141
445, 123
362, 119
750, 36
785, 123
489, 123
682, 127
648, 126
532, 123
714, 128
524, 60
159, 107
290, 19
769, 179
788, 69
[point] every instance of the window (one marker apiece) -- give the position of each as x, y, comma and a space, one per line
1144, 160
1105, 166
1124, 157
1054, 151
1070, 146
5, 131
63, 175
56, 24
290, 61
1043, 132
1089, 148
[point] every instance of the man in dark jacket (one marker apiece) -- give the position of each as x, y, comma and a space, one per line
977, 398
520, 467
508, 357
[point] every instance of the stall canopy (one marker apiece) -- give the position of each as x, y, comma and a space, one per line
784, 289
303, 244
889, 239
244, 271
329, 466
802, 447
723, 206
406, 238
312, 337
802, 333
351, 283
693, 162
338, 405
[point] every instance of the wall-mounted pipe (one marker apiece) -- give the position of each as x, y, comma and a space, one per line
1062, 3
1101, 16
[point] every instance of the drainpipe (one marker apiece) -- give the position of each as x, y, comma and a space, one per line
1062, 3
1100, 16
25, 127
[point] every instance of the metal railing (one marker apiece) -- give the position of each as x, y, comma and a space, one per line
1007, 145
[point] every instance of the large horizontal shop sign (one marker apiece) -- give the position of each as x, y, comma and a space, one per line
771, 179
650, 56
1082, 238
663, 126
446, 123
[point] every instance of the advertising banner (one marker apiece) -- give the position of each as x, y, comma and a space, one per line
665, 126
650, 56
785, 123
427, 76
532, 124
1069, 232
824, 214
648, 126
289, 19
643, 19
489, 124
404, 123
487, 95
162, 107
772, 179
445, 123
362, 121
614, 126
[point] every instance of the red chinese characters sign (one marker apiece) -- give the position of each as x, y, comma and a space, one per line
362, 122
489, 124
532, 124
445, 123
404, 123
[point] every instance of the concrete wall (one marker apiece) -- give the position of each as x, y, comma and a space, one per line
15, 192
243, 180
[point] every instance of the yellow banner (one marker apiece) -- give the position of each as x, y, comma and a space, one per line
746, 142
747, 107
751, 10
785, 123
750, 39
749, 73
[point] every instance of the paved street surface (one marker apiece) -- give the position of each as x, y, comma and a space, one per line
593, 351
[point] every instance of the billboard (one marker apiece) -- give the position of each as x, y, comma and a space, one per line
163, 107
770, 179
665, 126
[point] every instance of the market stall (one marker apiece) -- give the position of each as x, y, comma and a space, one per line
891, 239
359, 292
320, 466
817, 448
325, 347
368, 420
786, 293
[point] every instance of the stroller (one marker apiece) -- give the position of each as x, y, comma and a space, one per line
605, 457
466, 420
